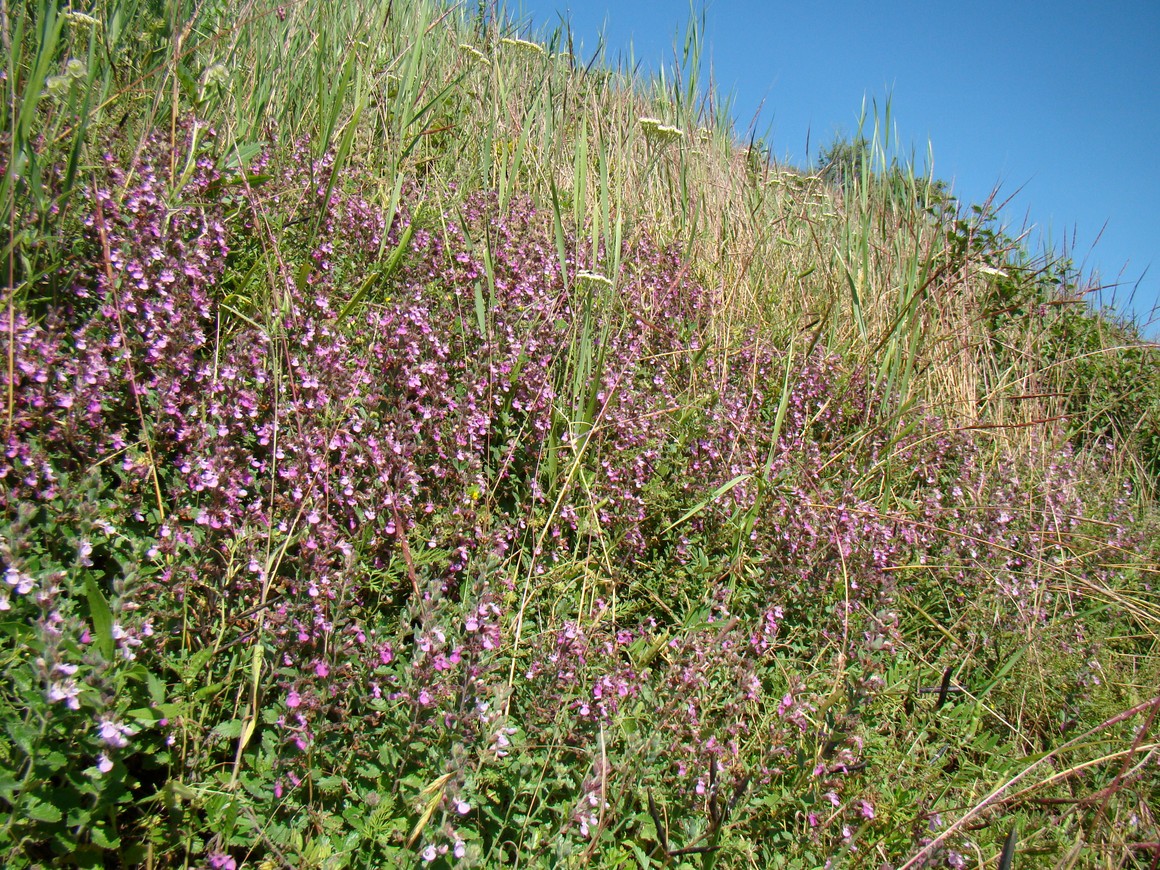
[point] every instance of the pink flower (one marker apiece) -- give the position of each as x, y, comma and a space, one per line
785, 704
114, 734
293, 699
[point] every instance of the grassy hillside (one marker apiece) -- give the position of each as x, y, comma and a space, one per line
425, 446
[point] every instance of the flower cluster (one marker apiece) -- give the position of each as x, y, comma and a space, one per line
378, 475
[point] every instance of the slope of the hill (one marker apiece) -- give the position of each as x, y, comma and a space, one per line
421, 450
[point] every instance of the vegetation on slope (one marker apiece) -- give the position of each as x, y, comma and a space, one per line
425, 446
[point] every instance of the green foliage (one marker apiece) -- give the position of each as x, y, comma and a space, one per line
844, 161
1114, 386
75, 694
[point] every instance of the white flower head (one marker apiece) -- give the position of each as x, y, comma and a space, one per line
593, 278
475, 53
81, 18
656, 131
523, 45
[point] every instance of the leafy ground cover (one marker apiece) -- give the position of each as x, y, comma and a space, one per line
438, 450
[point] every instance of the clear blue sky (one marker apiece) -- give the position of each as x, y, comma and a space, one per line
1059, 99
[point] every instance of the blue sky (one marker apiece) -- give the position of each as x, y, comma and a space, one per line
1057, 103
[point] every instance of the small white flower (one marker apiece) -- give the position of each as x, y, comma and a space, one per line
654, 130
524, 45
593, 278
475, 53
81, 18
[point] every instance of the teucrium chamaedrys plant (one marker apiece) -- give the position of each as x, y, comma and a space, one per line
356, 514
349, 522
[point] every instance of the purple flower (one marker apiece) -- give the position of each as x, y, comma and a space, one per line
21, 582
65, 690
114, 734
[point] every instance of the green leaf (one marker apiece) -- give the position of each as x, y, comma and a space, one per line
192, 668
14, 629
53, 761
102, 617
330, 784
104, 839
42, 812
231, 729
22, 734
156, 688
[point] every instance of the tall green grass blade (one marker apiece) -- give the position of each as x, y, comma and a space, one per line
700, 506
383, 274
561, 244
1007, 858
580, 178
782, 409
